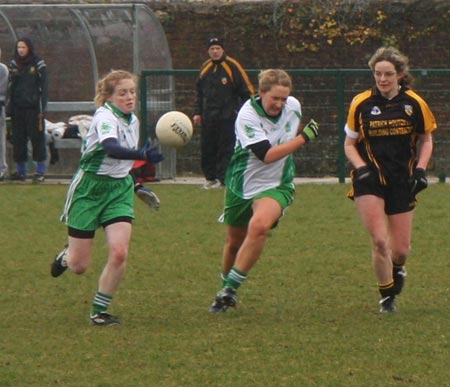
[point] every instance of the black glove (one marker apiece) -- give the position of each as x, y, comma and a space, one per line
151, 154
9, 135
418, 181
362, 173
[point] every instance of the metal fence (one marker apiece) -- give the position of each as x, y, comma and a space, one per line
325, 96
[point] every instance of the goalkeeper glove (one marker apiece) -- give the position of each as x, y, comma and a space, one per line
418, 181
150, 153
362, 173
310, 131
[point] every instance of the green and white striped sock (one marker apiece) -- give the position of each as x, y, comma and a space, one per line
235, 278
223, 277
101, 302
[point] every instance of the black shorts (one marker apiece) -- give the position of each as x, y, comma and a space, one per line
396, 195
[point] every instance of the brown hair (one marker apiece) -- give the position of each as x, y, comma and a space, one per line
106, 85
273, 77
394, 56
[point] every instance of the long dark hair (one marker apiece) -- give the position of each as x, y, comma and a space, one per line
24, 61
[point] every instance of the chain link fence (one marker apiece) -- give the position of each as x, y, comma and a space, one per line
325, 96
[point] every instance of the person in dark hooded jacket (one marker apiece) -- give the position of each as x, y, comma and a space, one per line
27, 103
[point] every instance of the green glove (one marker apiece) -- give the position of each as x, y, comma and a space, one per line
310, 131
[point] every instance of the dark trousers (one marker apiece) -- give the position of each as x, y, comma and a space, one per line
26, 125
217, 145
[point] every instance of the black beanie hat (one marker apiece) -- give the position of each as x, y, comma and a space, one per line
215, 42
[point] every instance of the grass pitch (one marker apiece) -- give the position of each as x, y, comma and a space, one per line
307, 315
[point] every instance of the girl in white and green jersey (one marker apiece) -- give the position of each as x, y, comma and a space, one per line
260, 177
101, 193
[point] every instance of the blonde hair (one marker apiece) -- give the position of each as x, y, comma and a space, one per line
106, 86
394, 56
273, 77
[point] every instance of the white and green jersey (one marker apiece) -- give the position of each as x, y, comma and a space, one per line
247, 175
109, 122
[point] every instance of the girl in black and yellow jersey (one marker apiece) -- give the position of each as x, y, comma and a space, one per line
389, 143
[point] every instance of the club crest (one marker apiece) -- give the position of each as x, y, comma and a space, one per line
408, 110
375, 111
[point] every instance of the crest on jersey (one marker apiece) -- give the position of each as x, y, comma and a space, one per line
105, 128
408, 110
249, 131
224, 81
375, 111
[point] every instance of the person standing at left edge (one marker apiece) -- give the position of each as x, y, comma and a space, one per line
27, 103
389, 143
4, 74
101, 193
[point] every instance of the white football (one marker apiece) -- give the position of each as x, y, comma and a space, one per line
174, 129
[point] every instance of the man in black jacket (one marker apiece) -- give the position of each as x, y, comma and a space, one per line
222, 87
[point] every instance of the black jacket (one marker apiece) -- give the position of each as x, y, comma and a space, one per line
28, 86
222, 87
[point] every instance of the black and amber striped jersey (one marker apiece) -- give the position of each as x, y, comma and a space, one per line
387, 131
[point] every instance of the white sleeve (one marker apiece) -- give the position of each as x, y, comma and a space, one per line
106, 127
350, 133
248, 127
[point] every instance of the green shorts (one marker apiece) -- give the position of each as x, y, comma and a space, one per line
238, 211
93, 200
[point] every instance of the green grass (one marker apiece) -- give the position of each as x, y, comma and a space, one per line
307, 315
